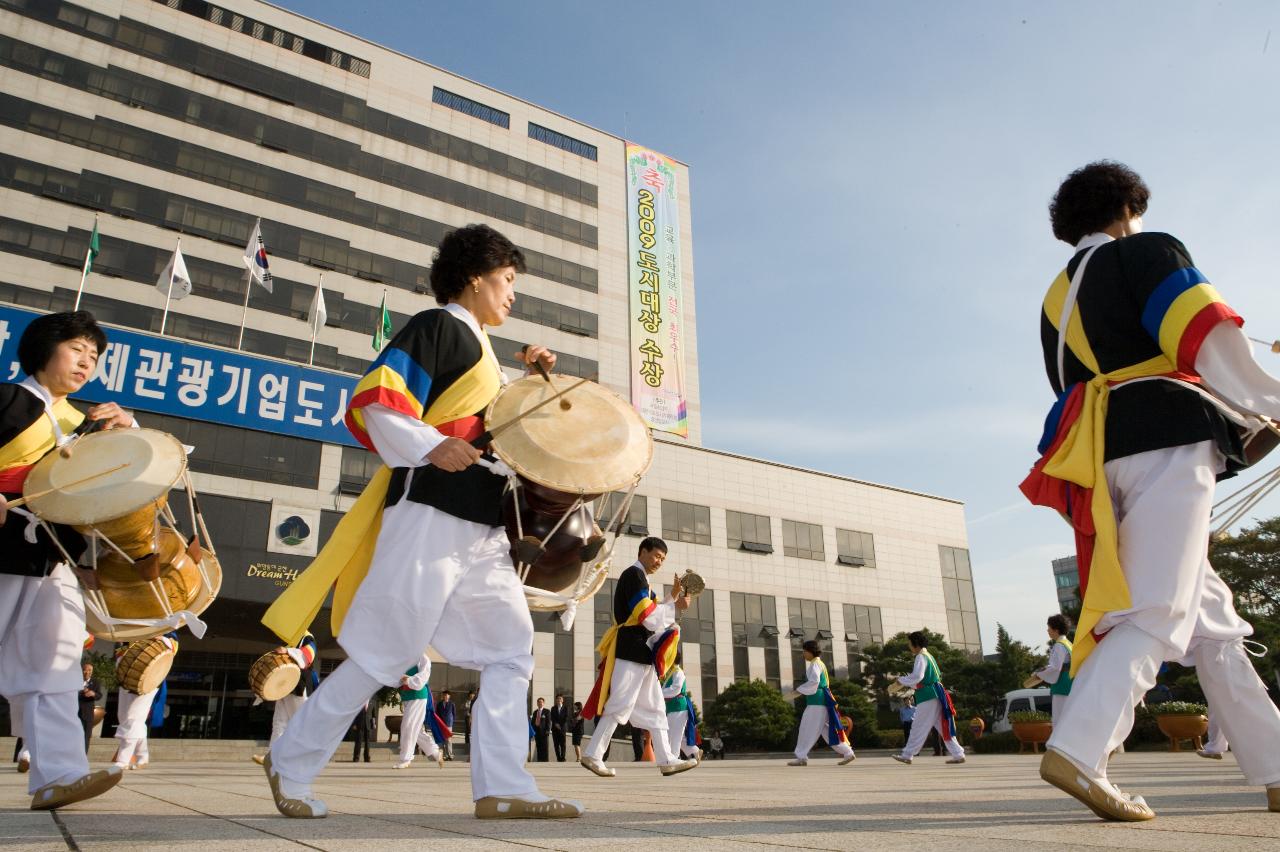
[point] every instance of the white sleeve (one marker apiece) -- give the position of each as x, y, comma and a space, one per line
662, 617
811, 682
1226, 364
401, 440
676, 687
1051, 672
917, 672
424, 674
295, 654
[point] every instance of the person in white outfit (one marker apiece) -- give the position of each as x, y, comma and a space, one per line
1150, 362
681, 725
1215, 743
933, 704
415, 704
627, 688
1057, 674
133, 711
821, 717
286, 706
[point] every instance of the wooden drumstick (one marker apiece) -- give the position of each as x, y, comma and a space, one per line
489, 434
22, 501
565, 404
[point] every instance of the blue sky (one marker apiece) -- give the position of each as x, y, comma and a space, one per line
873, 178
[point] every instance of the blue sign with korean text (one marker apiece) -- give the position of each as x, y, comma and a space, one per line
167, 376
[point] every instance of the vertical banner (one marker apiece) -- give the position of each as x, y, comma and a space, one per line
654, 270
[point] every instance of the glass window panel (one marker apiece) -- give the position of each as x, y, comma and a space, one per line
955, 627
769, 610
951, 594
965, 589
948, 560
737, 607
962, 565
753, 609
971, 628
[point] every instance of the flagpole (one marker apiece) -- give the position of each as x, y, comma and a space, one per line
248, 286
169, 293
84, 271
315, 322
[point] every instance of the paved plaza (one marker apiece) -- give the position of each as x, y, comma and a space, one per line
992, 802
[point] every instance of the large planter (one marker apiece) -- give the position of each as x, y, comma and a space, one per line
1183, 727
393, 726
1033, 734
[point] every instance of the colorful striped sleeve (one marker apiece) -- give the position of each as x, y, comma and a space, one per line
399, 377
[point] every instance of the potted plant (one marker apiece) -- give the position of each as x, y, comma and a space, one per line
1181, 720
1031, 727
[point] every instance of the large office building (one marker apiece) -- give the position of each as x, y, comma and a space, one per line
160, 121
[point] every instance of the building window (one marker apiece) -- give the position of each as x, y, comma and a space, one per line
636, 521
957, 593
563, 665
802, 540
755, 625
475, 109
603, 603
710, 677
855, 548
559, 140
807, 619
862, 627
686, 522
358, 467
242, 453
748, 532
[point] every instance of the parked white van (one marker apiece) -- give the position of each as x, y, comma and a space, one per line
1019, 699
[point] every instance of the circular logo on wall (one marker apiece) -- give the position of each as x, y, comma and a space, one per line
293, 531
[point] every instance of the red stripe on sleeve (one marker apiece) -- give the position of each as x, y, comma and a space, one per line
1198, 329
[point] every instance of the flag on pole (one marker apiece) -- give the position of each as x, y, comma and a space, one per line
317, 316
382, 333
255, 258
174, 282
93, 248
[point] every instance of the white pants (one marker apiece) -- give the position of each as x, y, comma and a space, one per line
440, 581
928, 717
41, 639
132, 713
286, 708
1181, 611
15, 728
1059, 702
635, 695
813, 725
412, 732
676, 723
1215, 739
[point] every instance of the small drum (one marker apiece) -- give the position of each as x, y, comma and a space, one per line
693, 584
1031, 682
145, 664
274, 675
114, 488
564, 459
899, 690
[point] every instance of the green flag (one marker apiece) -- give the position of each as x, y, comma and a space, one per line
382, 333
93, 249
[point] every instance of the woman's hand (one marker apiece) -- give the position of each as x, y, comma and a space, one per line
453, 455
534, 354
115, 416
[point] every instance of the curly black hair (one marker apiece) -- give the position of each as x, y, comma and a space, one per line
812, 646
43, 335
1059, 623
918, 639
1093, 197
467, 253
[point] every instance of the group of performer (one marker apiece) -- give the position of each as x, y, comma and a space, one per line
1154, 378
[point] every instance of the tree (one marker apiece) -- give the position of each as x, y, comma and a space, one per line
857, 704
1249, 562
752, 714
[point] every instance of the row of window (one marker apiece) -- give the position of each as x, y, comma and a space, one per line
691, 523
243, 453
277, 85
232, 226
287, 186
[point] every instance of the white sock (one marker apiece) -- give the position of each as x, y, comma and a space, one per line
294, 790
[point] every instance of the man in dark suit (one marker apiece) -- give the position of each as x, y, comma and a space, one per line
364, 724
541, 721
89, 695
448, 712
466, 719
559, 725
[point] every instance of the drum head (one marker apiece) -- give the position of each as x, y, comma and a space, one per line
274, 676
600, 444
153, 462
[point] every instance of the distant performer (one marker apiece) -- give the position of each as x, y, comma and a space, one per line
821, 716
420, 726
304, 656
682, 716
934, 709
422, 557
1156, 386
1057, 674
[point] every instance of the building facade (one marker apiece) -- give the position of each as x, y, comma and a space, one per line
168, 120
1066, 580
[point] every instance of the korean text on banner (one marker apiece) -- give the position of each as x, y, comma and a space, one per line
656, 287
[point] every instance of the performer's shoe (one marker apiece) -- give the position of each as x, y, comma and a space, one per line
87, 786
597, 766
440, 760
955, 760
139, 764
404, 764
901, 759
799, 761
1212, 755
1273, 799
1059, 771
258, 758
307, 808
678, 767
24, 764
503, 807
850, 759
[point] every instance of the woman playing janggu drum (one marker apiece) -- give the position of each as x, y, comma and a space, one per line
42, 622
440, 573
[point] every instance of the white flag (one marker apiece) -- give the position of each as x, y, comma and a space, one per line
255, 258
175, 275
318, 316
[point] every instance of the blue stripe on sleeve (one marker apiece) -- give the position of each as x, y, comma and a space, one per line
415, 378
1170, 288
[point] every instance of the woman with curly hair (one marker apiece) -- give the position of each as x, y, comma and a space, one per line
1154, 379
422, 557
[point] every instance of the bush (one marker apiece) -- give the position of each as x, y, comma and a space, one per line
1029, 716
855, 703
104, 670
1002, 743
752, 715
1179, 708
893, 739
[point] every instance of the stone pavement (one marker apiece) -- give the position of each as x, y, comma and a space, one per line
992, 802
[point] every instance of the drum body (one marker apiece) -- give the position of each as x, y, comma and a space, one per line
565, 534
145, 665
273, 676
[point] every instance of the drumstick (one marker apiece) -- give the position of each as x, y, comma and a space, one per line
565, 405
489, 434
21, 501
1274, 345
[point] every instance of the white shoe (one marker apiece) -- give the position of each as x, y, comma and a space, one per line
850, 759
403, 765
597, 766
901, 759
1212, 755
799, 761
678, 767
956, 760
307, 807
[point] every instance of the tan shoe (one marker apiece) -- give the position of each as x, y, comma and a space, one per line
799, 761
850, 759
901, 759
1273, 799
597, 766
501, 807
1063, 774
257, 758
86, 787
296, 808
1212, 755
678, 767
440, 759
24, 765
